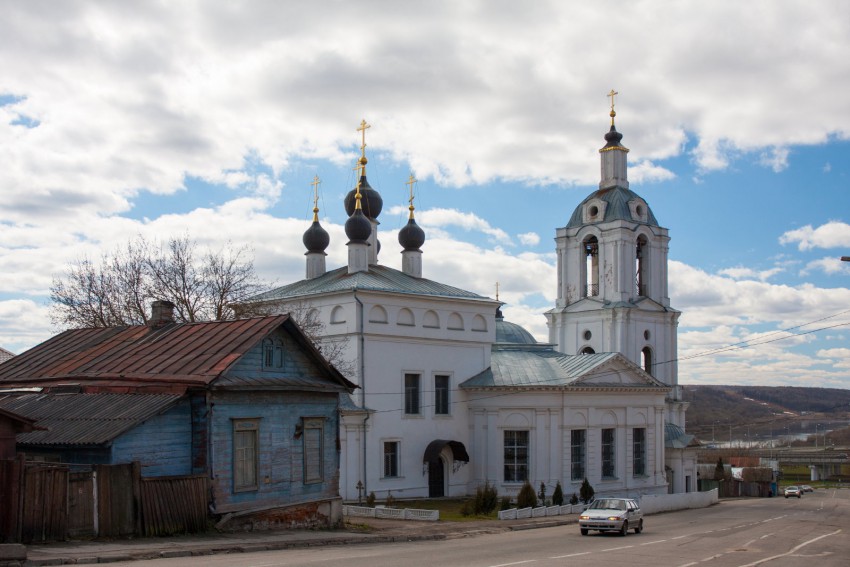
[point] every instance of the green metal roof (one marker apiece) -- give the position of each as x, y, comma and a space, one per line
617, 199
378, 278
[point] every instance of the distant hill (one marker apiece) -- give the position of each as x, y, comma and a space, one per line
761, 412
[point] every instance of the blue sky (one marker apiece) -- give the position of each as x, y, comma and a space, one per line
212, 120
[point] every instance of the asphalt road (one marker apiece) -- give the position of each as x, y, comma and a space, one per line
812, 531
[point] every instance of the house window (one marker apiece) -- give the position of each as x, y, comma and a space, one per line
411, 394
313, 462
272, 354
245, 440
608, 453
391, 458
639, 451
516, 456
441, 394
578, 448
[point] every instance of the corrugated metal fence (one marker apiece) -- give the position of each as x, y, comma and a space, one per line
47, 502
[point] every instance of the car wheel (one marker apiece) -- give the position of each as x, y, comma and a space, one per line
624, 530
786, 497
799, 496
639, 527
583, 531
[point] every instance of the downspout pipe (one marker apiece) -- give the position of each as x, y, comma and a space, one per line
362, 356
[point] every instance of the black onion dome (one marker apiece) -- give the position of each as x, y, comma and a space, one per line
316, 238
357, 227
370, 201
613, 138
411, 237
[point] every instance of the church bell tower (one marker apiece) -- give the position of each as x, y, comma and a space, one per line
612, 277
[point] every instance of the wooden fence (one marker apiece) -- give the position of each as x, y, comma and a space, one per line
49, 502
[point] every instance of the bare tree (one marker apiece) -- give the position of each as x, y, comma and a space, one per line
119, 289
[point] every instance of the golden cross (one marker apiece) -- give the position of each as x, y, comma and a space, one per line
410, 182
316, 182
497, 291
612, 94
362, 129
358, 168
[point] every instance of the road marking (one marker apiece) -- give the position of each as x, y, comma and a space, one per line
571, 555
617, 548
713, 557
791, 551
681, 536
654, 542
515, 563
689, 564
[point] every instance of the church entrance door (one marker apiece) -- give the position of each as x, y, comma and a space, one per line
436, 478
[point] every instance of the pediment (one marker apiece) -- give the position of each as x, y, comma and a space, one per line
617, 372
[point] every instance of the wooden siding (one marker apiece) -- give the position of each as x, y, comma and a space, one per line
163, 444
280, 471
296, 363
174, 505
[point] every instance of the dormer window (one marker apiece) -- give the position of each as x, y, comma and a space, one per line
594, 211
639, 210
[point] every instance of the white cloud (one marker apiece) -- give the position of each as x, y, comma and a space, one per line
441, 218
775, 158
742, 273
829, 265
834, 234
529, 238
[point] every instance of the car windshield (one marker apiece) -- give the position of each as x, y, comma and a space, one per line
609, 504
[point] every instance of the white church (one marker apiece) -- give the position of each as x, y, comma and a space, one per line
452, 396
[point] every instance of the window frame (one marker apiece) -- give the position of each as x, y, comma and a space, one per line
412, 394
578, 447
442, 395
516, 455
639, 451
608, 456
391, 468
251, 427
311, 425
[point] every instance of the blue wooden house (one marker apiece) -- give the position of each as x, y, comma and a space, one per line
251, 403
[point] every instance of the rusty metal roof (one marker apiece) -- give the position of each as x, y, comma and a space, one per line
142, 358
84, 419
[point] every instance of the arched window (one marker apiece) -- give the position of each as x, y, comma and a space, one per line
641, 266
377, 314
587, 350
591, 266
405, 317
478, 323
431, 320
646, 360
455, 322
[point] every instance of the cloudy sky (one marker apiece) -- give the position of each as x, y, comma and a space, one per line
211, 118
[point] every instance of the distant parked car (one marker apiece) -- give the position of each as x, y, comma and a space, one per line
793, 491
612, 515
806, 488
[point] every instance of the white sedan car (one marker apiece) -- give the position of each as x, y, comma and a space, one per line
612, 515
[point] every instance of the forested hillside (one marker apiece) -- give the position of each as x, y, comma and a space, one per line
760, 412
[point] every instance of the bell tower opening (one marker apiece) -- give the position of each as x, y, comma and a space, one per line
641, 266
591, 267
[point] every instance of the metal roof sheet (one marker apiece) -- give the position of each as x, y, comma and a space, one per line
539, 365
84, 419
188, 353
378, 278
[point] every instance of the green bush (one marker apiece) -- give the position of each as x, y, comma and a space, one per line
586, 491
574, 499
370, 500
558, 495
542, 494
486, 499
467, 508
526, 497
506, 503
390, 500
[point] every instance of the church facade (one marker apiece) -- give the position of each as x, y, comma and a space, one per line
452, 396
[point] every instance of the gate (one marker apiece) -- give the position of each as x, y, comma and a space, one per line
436, 478
45, 514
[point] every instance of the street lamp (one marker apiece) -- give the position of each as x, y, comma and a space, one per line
816, 434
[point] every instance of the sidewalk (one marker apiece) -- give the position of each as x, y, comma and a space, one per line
357, 531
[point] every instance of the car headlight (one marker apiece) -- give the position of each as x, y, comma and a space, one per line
584, 517
614, 518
